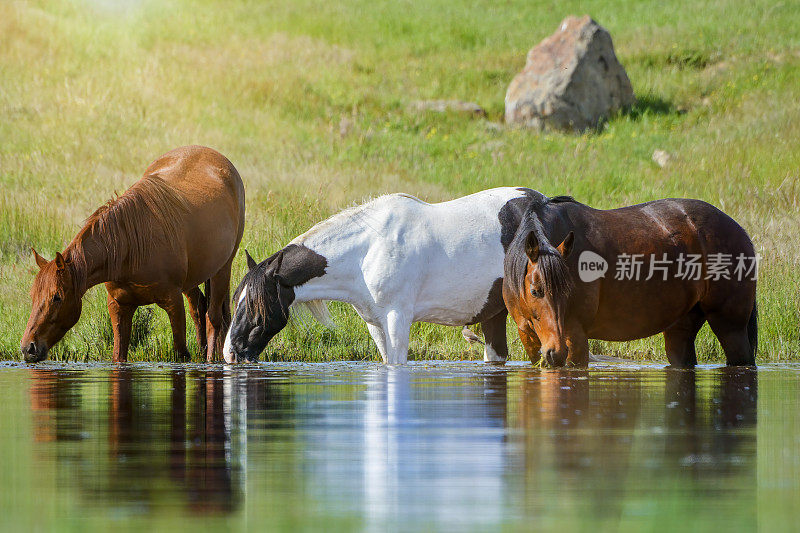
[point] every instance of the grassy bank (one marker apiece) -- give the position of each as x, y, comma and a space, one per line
312, 102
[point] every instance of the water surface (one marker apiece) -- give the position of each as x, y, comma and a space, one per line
430, 446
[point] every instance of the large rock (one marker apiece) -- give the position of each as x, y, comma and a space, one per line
571, 81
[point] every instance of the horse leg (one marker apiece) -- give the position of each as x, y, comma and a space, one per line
494, 333
378, 335
226, 312
218, 321
577, 347
172, 303
679, 339
532, 345
734, 339
197, 310
121, 323
398, 331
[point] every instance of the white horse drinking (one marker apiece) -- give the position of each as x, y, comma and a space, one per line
396, 260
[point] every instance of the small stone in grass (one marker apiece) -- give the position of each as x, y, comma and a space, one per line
443, 106
661, 158
345, 125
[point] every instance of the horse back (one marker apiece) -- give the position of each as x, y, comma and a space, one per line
668, 230
198, 169
214, 199
453, 253
442, 260
693, 224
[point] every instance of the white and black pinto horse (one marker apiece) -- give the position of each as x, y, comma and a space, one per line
396, 260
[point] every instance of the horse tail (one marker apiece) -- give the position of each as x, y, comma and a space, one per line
318, 309
752, 331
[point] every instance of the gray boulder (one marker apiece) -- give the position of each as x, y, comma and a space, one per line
572, 80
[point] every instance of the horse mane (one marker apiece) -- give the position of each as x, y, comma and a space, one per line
557, 281
258, 297
562, 199
129, 226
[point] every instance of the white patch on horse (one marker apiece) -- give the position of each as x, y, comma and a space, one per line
417, 262
491, 356
227, 351
242, 295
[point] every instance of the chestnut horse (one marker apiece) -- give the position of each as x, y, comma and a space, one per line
623, 274
179, 226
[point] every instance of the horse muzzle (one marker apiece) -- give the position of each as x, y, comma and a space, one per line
233, 356
554, 359
33, 353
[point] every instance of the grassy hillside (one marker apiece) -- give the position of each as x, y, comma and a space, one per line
312, 101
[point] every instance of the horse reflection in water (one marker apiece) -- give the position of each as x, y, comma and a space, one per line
50, 395
701, 427
584, 424
422, 447
195, 449
559, 406
413, 470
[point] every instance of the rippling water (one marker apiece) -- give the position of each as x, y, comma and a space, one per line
430, 446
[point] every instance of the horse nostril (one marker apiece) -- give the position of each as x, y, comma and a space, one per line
31, 348
550, 356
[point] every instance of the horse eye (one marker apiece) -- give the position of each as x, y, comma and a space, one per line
537, 293
56, 297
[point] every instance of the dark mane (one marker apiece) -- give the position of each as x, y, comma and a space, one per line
562, 200
129, 227
259, 297
556, 279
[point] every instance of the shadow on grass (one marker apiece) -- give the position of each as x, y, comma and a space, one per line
649, 105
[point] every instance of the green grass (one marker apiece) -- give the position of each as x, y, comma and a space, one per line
91, 91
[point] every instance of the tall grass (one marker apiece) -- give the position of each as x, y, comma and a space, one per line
312, 102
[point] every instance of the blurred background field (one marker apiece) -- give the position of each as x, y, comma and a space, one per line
314, 103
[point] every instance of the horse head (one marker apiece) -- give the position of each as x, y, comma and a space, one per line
262, 309
544, 296
56, 307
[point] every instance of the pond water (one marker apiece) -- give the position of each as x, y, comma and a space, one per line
430, 446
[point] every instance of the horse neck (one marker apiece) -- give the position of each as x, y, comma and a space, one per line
326, 287
343, 252
90, 259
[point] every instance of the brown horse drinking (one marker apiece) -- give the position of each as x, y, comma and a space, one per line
664, 266
175, 229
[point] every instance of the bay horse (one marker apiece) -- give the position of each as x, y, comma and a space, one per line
176, 228
562, 295
396, 260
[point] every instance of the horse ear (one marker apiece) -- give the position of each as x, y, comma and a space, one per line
566, 245
251, 263
60, 263
532, 247
275, 263
40, 261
